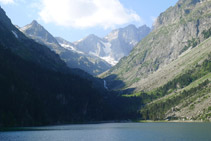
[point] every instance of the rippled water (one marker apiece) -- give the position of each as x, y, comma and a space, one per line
114, 132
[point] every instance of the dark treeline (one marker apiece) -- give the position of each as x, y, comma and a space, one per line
31, 95
207, 33
157, 111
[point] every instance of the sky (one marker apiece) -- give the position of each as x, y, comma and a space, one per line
76, 19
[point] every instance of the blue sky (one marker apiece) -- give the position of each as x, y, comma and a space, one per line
75, 19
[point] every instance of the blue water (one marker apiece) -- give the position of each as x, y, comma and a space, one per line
114, 132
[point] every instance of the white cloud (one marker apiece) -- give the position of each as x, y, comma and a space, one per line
7, 1
86, 13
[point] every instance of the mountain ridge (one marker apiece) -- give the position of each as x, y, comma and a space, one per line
117, 44
170, 69
73, 58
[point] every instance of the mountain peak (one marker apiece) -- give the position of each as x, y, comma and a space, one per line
89, 37
35, 30
92, 36
131, 26
143, 26
33, 25
34, 22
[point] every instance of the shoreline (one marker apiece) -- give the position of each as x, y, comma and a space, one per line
33, 128
171, 121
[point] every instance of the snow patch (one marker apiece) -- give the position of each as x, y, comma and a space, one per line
77, 42
107, 47
15, 34
69, 47
110, 60
98, 49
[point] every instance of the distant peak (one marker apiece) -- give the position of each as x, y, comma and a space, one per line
34, 22
131, 26
33, 25
91, 36
144, 27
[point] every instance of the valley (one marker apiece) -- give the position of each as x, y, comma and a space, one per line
134, 73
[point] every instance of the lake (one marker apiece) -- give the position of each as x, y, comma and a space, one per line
113, 132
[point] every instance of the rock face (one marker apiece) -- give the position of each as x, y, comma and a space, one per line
123, 40
35, 30
73, 58
178, 27
115, 45
38, 33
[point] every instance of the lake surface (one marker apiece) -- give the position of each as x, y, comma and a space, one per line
114, 132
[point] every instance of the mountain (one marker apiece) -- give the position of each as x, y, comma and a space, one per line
181, 89
35, 83
67, 45
111, 48
170, 69
37, 88
73, 58
33, 95
115, 45
177, 30
124, 39
36, 30
91, 64
38, 33
167, 76
24, 47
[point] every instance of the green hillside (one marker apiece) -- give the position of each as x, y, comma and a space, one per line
178, 30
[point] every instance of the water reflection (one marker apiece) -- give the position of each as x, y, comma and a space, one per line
113, 132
